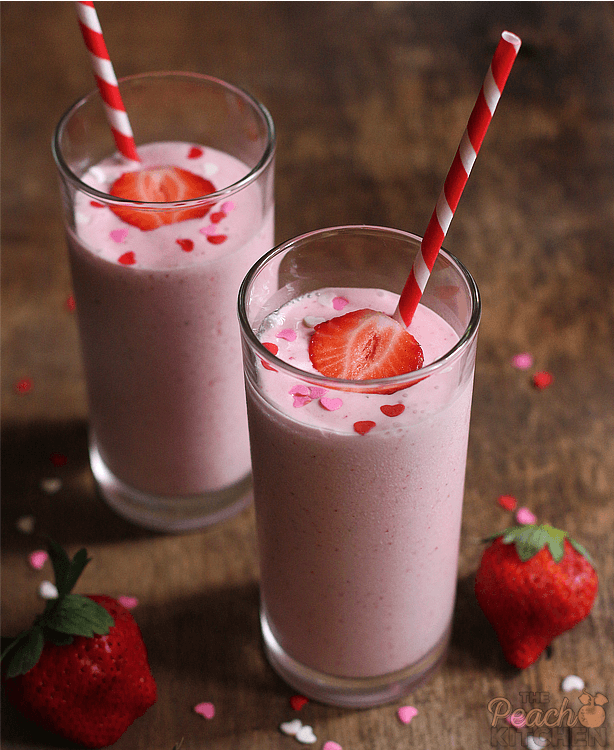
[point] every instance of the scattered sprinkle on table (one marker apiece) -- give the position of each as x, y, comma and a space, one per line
129, 602
406, 714
572, 682
47, 590
522, 361
205, 709
508, 502
524, 516
23, 386
542, 379
25, 524
38, 558
298, 701
51, 485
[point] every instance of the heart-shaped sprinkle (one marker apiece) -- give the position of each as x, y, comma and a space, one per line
517, 719
392, 410
299, 401
406, 713
216, 239
299, 390
217, 217
38, 558
51, 485
96, 204
205, 709
298, 701
209, 229
47, 590
363, 427
572, 682
25, 524
289, 334
186, 245
332, 404
524, 516
81, 218
273, 348
330, 745
227, 207
316, 392
58, 459
311, 321
326, 298
339, 303
536, 743
127, 259
118, 235
209, 169
195, 152
129, 602
70, 303
522, 361
542, 380
291, 727
23, 386
508, 502
305, 735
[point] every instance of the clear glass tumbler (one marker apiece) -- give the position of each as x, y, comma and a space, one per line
358, 485
155, 284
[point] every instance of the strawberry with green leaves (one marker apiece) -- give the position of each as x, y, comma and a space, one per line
81, 670
534, 583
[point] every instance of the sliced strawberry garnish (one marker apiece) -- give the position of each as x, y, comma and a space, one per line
364, 345
160, 185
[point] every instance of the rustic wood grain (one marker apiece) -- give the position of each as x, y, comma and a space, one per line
370, 100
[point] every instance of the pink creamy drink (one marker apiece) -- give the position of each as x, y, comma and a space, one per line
159, 332
377, 483
358, 484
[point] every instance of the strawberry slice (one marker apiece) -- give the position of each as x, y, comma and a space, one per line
364, 345
159, 185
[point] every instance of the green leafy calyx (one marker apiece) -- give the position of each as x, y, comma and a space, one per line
62, 619
529, 539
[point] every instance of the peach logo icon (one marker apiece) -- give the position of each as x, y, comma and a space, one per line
592, 713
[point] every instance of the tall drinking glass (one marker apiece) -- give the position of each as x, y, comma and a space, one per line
155, 283
358, 485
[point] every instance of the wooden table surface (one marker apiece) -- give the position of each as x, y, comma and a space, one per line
370, 101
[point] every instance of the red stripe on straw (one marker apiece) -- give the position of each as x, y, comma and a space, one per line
106, 80
457, 176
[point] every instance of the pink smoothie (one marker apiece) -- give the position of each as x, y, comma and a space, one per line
358, 498
159, 332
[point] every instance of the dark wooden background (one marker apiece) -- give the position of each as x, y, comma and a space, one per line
370, 101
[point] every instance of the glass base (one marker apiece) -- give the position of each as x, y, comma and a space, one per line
169, 513
349, 692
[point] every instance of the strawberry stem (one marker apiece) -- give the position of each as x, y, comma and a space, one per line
529, 539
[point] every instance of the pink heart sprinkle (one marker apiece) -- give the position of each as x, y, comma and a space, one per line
288, 333
339, 303
38, 558
316, 392
517, 719
211, 229
524, 516
522, 361
300, 390
227, 206
129, 602
332, 404
406, 713
330, 745
118, 235
205, 709
300, 401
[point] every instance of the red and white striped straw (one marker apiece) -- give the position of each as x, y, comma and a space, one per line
106, 80
457, 177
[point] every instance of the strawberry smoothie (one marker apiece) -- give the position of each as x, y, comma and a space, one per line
358, 502
159, 330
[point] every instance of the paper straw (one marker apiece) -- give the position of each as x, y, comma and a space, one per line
455, 182
106, 80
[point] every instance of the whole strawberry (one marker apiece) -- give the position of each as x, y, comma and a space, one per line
81, 670
533, 584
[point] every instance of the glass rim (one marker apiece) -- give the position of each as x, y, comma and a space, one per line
208, 199
375, 384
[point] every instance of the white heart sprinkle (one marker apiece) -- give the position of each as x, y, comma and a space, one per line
536, 743
47, 590
51, 485
305, 735
209, 169
81, 218
311, 321
326, 298
291, 727
572, 682
25, 524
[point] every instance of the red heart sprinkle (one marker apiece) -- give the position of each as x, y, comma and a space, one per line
70, 304
298, 701
23, 386
363, 427
186, 245
542, 379
127, 259
392, 410
195, 152
217, 239
508, 502
96, 204
217, 217
273, 348
58, 459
